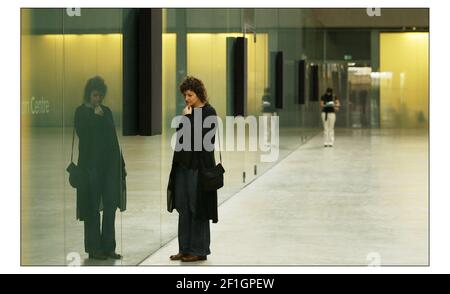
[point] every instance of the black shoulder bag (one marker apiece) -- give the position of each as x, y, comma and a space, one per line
211, 179
77, 176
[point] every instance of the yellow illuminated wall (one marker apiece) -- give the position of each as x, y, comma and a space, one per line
404, 79
55, 68
258, 78
86, 56
41, 79
262, 68
206, 59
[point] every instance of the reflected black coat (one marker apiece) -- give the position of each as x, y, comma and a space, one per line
206, 202
98, 150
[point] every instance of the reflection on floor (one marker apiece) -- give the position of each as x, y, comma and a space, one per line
52, 236
363, 202
50, 233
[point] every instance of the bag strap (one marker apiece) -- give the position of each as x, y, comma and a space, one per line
218, 136
73, 141
220, 153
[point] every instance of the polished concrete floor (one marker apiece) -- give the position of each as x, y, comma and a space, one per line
363, 202
50, 233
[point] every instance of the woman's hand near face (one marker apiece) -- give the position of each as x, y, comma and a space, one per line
187, 109
98, 110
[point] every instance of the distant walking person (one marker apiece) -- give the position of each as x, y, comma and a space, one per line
329, 105
101, 158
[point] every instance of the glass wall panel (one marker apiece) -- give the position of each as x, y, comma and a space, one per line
95, 52
99, 53
42, 149
61, 50
255, 81
207, 59
169, 108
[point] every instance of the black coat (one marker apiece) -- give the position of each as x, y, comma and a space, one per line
98, 151
206, 204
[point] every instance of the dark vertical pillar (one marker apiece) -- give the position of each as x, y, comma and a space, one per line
279, 80
156, 72
272, 69
301, 81
181, 54
129, 72
149, 68
375, 88
230, 74
142, 72
240, 76
314, 82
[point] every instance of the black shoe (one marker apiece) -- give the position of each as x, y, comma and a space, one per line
193, 258
98, 256
178, 256
325, 146
113, 255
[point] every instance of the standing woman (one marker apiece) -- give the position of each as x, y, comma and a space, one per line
195, 207
329, 105
101, 158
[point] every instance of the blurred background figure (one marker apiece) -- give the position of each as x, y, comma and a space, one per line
329, 105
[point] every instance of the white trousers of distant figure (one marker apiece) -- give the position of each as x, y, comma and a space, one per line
328, 128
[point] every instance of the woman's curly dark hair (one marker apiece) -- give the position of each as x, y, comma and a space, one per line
195, 85
96, 83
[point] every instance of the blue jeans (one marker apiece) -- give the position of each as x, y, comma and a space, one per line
193, 234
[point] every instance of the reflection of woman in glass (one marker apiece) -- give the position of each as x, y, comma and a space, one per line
195, 207
100, 156
329, 105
